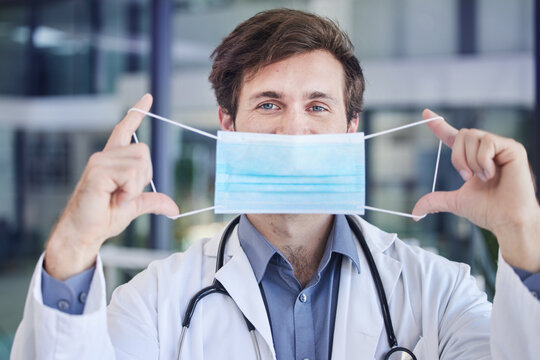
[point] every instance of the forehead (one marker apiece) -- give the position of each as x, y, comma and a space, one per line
304, 73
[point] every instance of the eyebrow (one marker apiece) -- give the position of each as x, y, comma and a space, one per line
276, 95
266, 94
320, 95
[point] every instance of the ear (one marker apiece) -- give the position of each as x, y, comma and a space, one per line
225, 120
352, 125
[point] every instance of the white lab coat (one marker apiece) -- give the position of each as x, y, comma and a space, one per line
436, 308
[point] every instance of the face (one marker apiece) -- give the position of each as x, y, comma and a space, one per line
301, 95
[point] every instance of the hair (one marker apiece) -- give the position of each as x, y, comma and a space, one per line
275, 35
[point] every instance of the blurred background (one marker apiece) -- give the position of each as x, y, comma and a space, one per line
70, 69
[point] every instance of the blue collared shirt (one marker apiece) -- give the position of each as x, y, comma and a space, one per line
302, 320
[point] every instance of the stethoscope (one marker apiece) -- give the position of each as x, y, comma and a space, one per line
395, 353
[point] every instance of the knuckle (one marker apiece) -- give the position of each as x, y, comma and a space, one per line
142, 164
95, 159
149, 172
145, 161
520, 147
118, 128
488, 138
94, 167
483, 158
132, 172
463, 132
142, 169
456, 159
143, 148
475, 133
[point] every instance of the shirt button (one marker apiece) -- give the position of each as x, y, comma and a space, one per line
303, 298
63, 305
535, 294
82, 297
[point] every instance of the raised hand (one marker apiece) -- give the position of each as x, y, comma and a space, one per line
498, 193
107, 198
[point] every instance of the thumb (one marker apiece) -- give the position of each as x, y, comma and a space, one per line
154, 203
434, 202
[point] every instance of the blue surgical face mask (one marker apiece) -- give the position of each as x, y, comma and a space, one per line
290, 174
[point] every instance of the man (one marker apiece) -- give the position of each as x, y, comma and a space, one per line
301, 280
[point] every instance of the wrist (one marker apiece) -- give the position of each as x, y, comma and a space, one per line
520, 242
67, 253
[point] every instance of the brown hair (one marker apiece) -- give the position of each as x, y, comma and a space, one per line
275, 35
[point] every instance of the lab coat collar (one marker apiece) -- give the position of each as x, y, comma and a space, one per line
378, 240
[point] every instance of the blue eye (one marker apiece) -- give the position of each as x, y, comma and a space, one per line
268, 106
317, 108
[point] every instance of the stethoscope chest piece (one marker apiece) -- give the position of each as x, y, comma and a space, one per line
399, 353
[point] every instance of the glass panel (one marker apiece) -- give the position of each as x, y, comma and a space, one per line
397, 28
505, 25
430, 28
14, 36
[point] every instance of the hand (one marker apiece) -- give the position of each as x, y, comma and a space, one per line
498, 193
107, 198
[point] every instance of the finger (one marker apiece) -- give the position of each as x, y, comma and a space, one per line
440, 128
122, 157
458, 156
153, 203
486, 155
123, 131
131, 151
472, 143
434, 202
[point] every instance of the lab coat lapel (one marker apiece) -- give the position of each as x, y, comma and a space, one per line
239, 280
359, 322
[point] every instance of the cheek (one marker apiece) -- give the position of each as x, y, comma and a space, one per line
335, 124
338, 128
253, 123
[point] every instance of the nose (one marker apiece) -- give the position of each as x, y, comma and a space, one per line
294, 122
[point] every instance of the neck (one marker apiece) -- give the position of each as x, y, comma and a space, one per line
300, 238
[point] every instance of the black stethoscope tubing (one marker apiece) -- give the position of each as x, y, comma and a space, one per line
217, 287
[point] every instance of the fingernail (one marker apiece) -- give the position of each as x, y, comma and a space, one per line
419, 217
485, 173
465, 175
481, 176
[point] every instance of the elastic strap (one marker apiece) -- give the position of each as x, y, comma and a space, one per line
204, 133
384, 132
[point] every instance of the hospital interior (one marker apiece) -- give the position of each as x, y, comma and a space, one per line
70, 69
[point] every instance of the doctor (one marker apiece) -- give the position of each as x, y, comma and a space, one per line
301, 280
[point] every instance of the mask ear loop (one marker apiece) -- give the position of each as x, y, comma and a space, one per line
384, 132
204, 133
